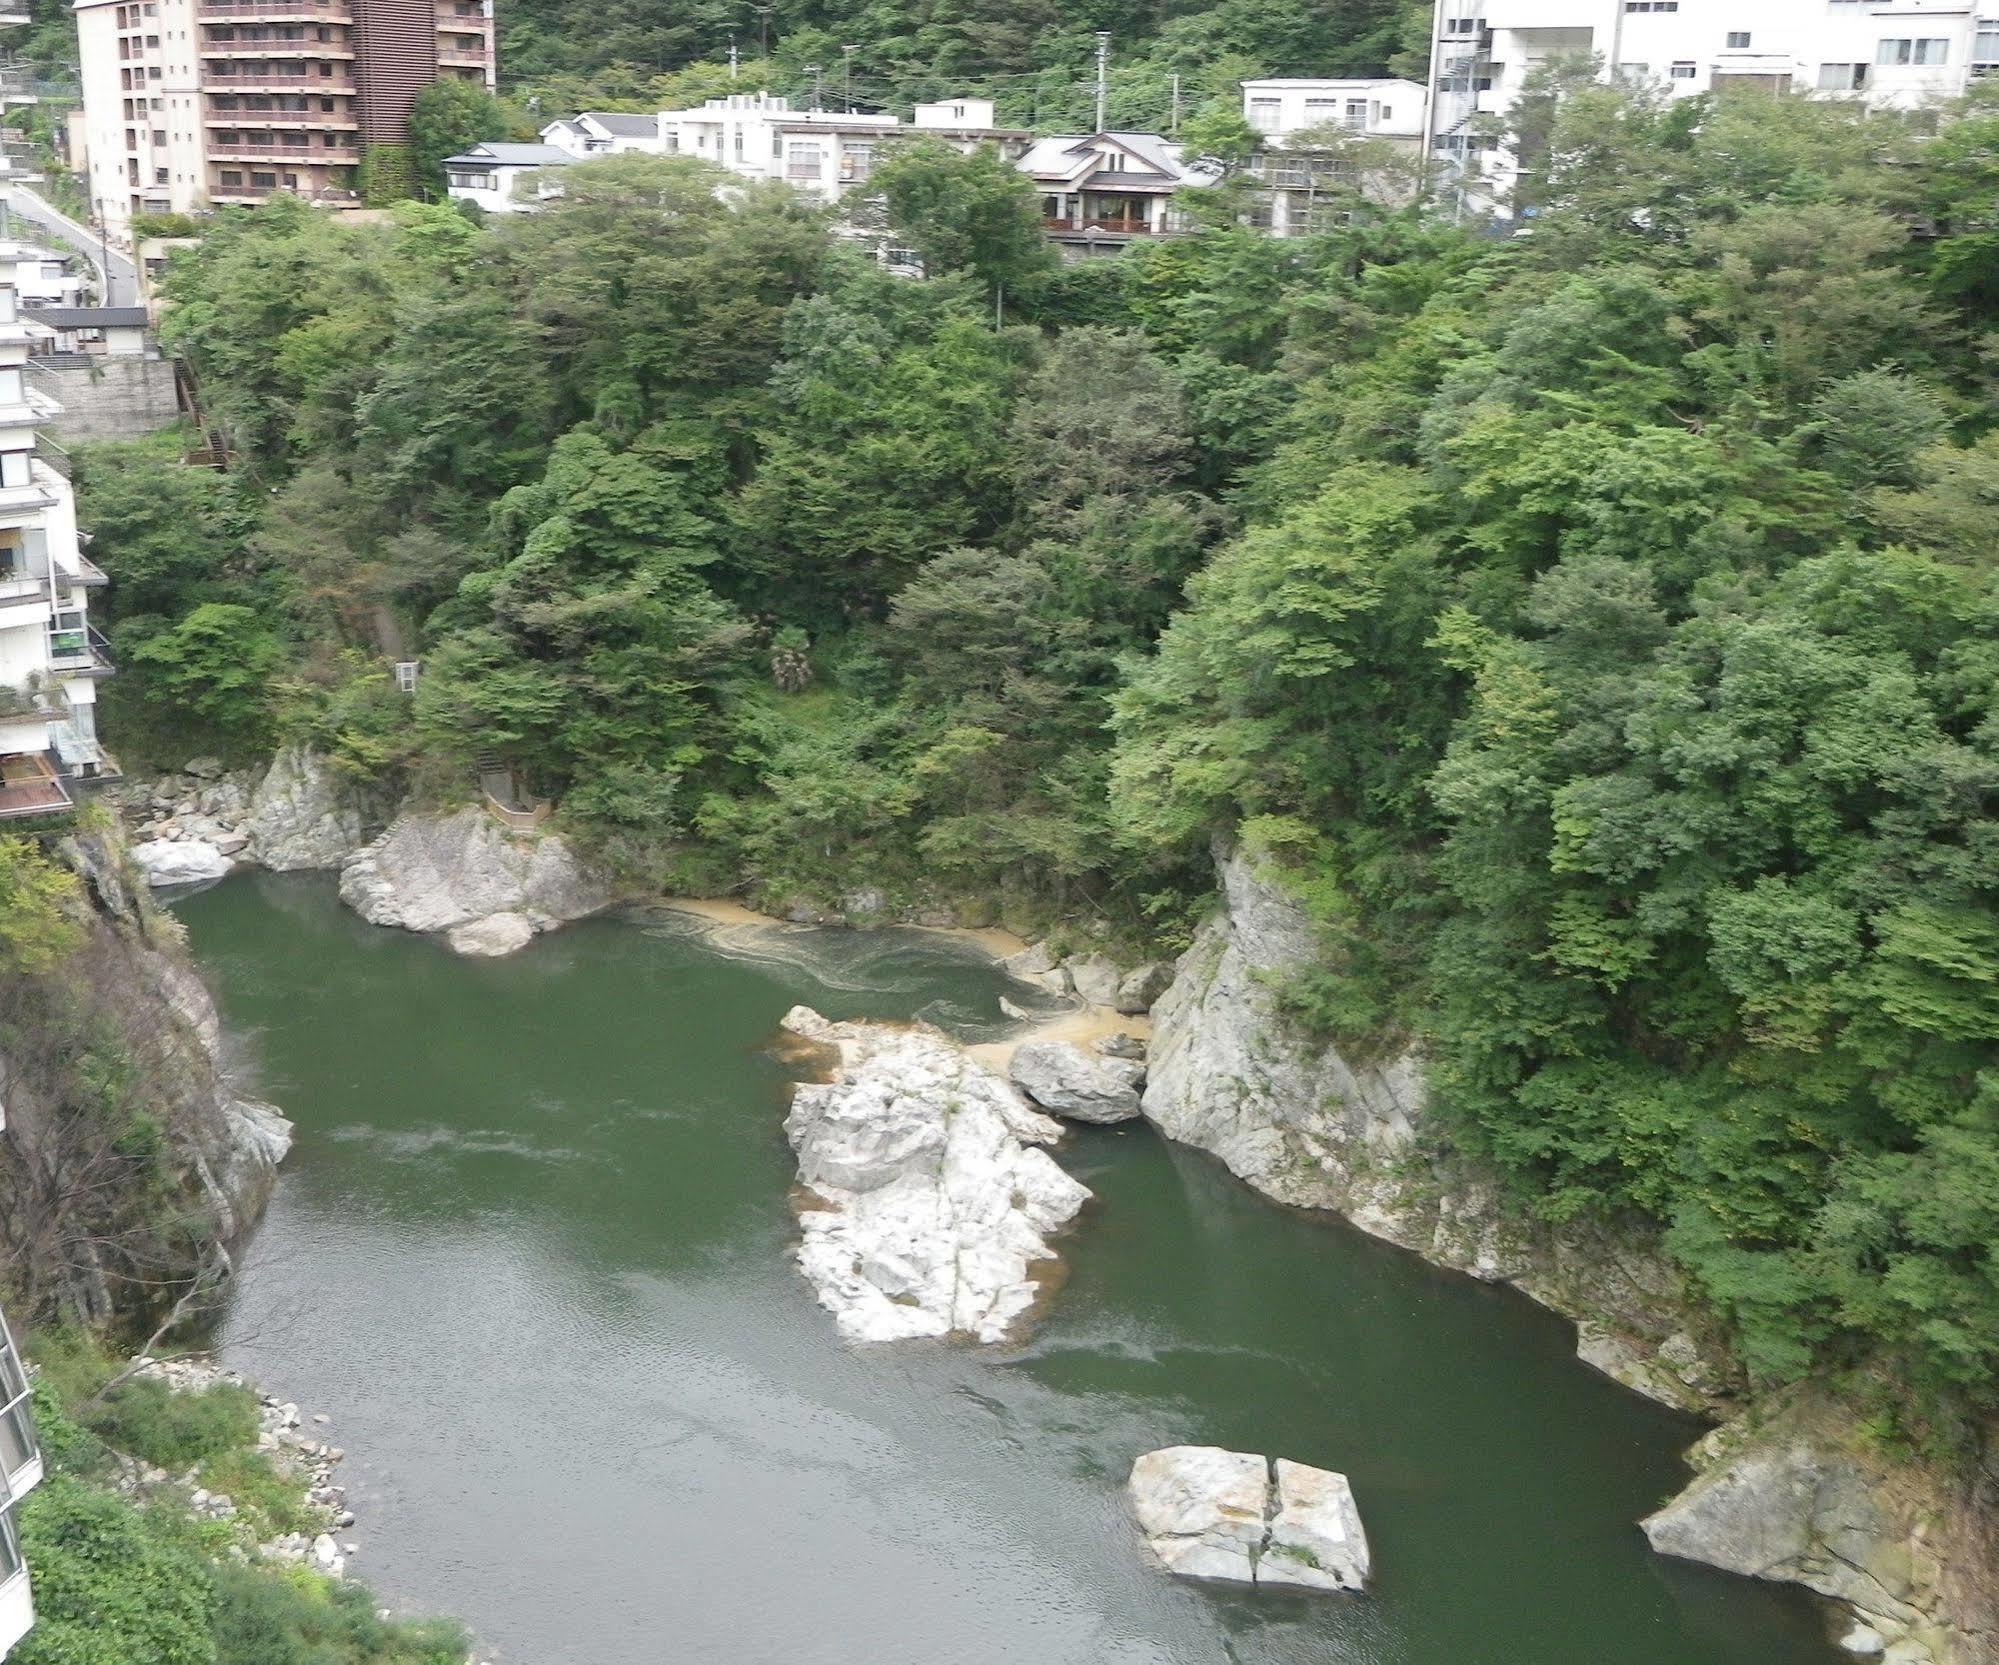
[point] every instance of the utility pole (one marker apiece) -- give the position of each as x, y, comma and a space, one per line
1103, 70
763, 32
847, 77
818, 85
732, 54
1173, 126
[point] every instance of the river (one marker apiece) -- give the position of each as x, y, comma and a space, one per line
529, 1254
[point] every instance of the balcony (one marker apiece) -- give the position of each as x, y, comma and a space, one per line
82, 652
291, 121
233, 11
292, 155
228, 81
252, 194
455, 55
28, 786
1106, 225
225, 51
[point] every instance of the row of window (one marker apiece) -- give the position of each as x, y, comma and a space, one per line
130, 17
284, 103
256, 34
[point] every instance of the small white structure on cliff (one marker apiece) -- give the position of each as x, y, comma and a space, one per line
50, 656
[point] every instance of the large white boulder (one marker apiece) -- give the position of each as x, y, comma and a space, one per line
443, 873
302, 815
1068, 1081
927, 1206
188, 861
1210, 1513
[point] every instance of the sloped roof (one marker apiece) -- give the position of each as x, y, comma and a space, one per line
623, 124
513, 155
89, 317
1074, 157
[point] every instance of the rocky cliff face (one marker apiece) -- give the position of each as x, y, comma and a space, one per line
1793, 1495
130, 1163
1316, 1129
1795, 1500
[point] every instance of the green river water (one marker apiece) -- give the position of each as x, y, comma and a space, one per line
530, 1255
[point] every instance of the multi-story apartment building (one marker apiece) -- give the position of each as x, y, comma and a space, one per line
1311, 185
51, 657
193, 102
20, 1472
1894, 54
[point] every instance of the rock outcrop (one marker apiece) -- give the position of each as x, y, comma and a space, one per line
1067, 1081
169, 862
1312, 1127
1210, 1513
465, 875
200, 823
131, 1229
1796, 1498
302, 816
925, 1206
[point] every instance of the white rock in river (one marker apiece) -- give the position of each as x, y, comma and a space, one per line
167, 861
429, 873
1210, 1513
932, 1204
1068, 1081
488, 938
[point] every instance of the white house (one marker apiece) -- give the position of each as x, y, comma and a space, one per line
1377, 109
20, 1473
505, 178
51, 658
605, 133
820, 153
1306, 179
1100, 190
1892, 56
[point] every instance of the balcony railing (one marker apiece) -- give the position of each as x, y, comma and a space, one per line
230, 50
307, 154
82, 652
47, 451
288, 119
228, 11
452, 55
319, 83
28, 786
263, 193
1114, 225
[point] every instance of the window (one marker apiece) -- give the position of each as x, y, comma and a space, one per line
159, 137
1266, 115
232, 179
1926, 51
159, 176
1985, 49
1463, 25
1387, 114
1738, 40
1651, 5
803, 162
1842, 77
1682, 72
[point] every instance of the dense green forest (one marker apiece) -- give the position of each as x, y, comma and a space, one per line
1034, 56
1597, 626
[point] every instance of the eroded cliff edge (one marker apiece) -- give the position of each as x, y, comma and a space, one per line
1785, 1490
130, 1165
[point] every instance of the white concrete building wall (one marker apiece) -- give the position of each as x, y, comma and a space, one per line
1384, 108
145, 145
1897, 56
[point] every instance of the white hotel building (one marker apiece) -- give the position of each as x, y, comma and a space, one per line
1893, 56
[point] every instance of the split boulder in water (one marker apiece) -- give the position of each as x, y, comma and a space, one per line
928, 1206
1235, 1515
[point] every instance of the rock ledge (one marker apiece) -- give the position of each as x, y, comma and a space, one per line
926, 1208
